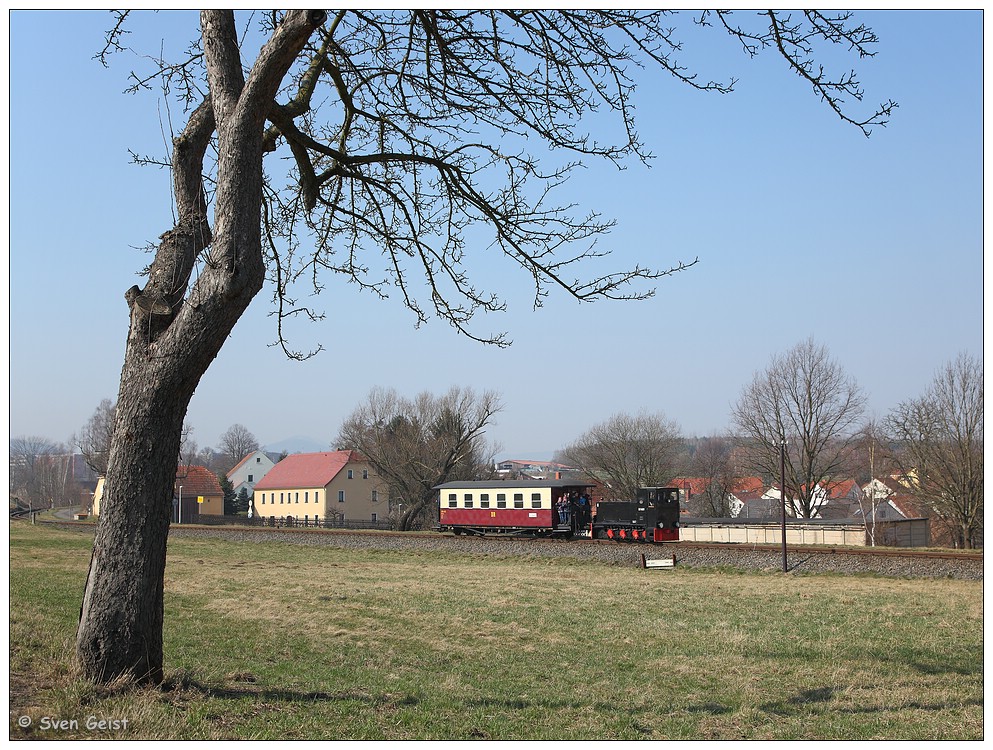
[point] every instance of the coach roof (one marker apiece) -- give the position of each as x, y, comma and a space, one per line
496, 484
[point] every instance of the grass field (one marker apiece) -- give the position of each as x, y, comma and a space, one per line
272, 641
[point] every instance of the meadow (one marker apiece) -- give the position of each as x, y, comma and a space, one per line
279, 641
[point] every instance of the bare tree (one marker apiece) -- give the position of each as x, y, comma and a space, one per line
417, 444
941, 435
188, 448
95, 436
627, 452
714, 462
38, 471
392, 124
806, 399
873, 457
236, 443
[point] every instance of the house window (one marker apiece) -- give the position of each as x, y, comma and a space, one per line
251, 477
258, 460
453, 500
365, 473
296, 497
263, 498
341, 496
280, 498
349, 473
306, 496
535, 499
468, 500
518, 499
374, 518
501, 500
375, 496
484, 501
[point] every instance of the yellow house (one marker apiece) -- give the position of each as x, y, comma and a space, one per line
192, 483
314, 486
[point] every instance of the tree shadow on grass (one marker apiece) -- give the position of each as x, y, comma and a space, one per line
801, 700
249, 688
806, 700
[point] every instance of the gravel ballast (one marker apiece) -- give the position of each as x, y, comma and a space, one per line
732, 556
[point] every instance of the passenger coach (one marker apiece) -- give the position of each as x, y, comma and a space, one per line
525, 507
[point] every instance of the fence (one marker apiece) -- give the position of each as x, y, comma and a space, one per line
911, 532
290, 522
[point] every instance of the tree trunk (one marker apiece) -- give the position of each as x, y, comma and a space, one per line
171, 343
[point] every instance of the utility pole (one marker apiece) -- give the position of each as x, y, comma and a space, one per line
782, 487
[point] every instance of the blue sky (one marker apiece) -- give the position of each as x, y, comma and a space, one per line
802, 226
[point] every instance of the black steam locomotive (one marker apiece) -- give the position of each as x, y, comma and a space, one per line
652, 517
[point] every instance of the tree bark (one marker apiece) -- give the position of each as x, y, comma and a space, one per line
171, 342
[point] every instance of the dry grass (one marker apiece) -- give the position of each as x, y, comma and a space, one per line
272, 641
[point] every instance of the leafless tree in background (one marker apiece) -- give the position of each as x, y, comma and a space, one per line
714, 461
38, 471
417, 444
95, 436
236, 443
188, 448
398, 136
806, 398
627, 452
941, 439
872, 458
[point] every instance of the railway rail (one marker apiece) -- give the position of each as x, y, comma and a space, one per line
933, 554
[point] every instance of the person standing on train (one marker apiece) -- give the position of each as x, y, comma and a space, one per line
584, 510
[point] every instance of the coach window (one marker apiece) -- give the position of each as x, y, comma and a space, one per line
484, 501
501, 500
453, 500
535, 499
468, 500
518, 499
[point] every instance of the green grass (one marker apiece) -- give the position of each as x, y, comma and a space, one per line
272, 641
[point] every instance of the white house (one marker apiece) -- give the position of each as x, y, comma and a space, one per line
247, 472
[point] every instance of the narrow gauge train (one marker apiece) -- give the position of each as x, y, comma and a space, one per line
534, 508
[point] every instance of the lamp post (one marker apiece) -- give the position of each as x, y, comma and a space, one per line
782, 488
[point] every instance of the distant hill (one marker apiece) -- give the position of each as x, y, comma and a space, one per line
297, 444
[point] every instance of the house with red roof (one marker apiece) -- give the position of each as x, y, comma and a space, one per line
314, 486
200, 491
747, 500
889, 500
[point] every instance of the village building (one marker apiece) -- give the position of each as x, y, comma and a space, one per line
313, 486
249, 471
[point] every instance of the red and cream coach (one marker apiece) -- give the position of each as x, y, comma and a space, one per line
521, 507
